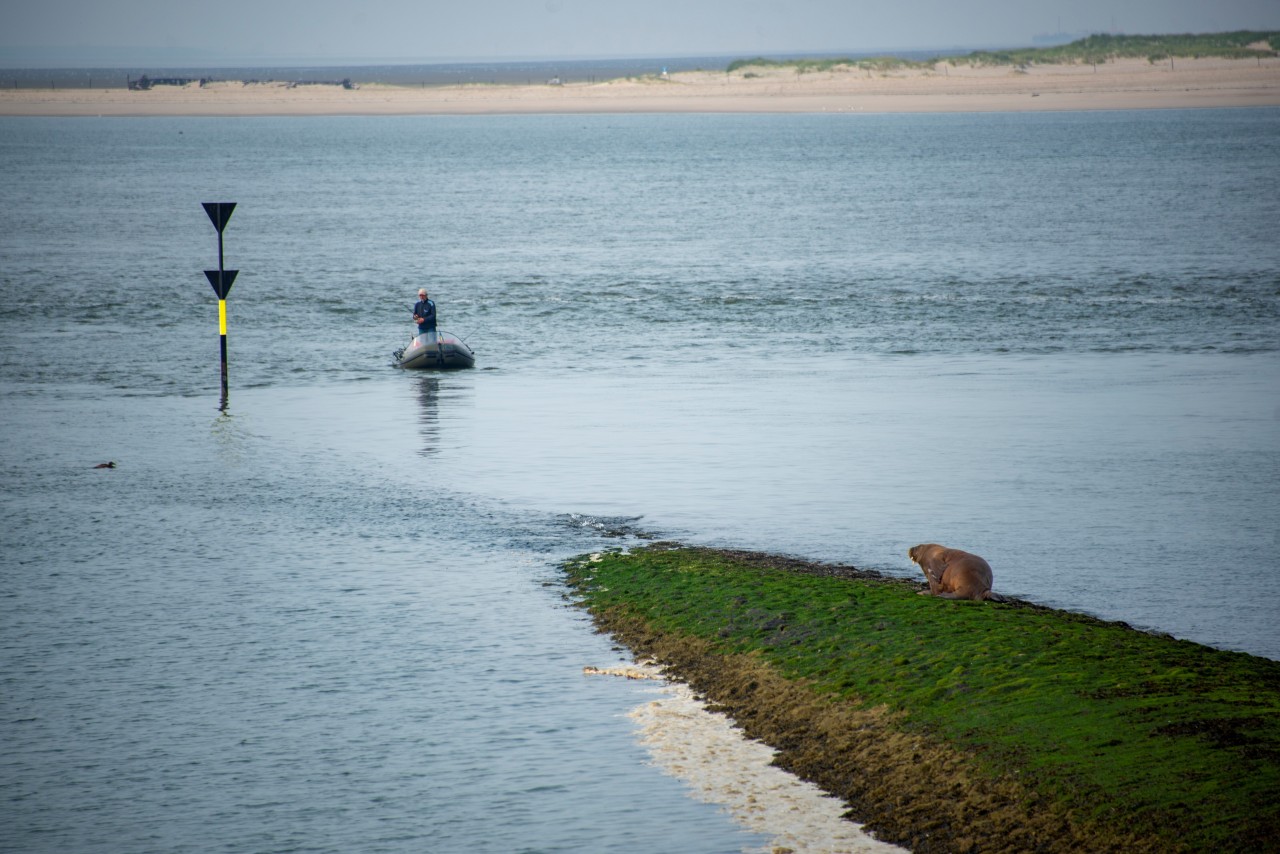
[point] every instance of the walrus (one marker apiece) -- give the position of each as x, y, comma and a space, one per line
952, 574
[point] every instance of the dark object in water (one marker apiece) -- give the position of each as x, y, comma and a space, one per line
108, 465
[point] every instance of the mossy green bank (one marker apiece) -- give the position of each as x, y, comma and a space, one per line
1128, 738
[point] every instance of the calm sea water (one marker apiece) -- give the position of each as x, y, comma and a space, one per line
329, 617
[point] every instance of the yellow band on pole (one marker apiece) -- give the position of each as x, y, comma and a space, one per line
222, 317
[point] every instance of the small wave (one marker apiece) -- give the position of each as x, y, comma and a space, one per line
609, 526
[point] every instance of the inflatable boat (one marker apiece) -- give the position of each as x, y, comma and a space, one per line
448, 352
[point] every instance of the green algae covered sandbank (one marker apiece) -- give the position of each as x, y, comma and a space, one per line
960, 726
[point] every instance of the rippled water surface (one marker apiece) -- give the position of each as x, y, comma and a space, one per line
329, 617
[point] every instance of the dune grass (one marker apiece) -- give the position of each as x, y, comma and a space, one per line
1241, 44
1094, 49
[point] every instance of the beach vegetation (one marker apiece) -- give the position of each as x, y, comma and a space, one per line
1100, 48
1168, 744
757, 62
811, 66
1094, 49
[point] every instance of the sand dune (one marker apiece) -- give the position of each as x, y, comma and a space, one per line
1127, 84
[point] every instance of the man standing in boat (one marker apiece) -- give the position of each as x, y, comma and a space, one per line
424, 314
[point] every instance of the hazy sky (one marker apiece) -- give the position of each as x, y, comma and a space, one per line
427, 30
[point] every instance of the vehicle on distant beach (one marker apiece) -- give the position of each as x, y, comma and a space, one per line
448, 352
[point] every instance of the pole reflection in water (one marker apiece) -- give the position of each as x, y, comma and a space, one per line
429, 417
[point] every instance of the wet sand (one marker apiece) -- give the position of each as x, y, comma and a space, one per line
1120, 85
721, 766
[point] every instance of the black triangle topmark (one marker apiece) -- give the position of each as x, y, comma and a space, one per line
221, 280
219, 213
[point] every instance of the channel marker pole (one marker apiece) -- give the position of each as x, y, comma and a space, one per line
221, 280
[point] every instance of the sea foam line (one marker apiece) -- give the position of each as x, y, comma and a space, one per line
722, 766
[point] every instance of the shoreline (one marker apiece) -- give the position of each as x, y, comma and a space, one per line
1118, 85
707, 752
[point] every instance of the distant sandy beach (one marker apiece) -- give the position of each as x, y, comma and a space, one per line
1119, 85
